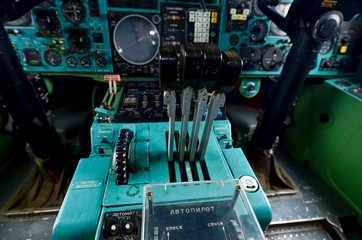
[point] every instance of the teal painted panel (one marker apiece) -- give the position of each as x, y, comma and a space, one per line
216, 164
28, 40
79, 214
158, 152
122, 195
240, 167
139, 163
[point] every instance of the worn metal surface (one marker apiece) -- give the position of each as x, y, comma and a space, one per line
300, 231
21, 227
25, 228
314, 201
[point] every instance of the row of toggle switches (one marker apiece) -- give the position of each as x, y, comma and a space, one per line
121, 156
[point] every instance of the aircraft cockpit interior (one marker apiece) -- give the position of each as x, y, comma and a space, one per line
181, 119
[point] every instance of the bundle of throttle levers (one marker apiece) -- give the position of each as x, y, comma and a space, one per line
201, 68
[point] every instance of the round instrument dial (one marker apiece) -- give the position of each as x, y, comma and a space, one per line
282, 9
101, 62
52, 57
251, 57
136, 39
74, 11
79, 42
234, 39
71, 62
48, 24
326, 47
258, 30
272, 59
86, 62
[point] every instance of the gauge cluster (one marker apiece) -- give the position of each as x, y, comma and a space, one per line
123, 37
264, 47
63, 36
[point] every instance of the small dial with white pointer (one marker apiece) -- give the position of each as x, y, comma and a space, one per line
71, 62
48, 24
52, 57
74, 11
79, 42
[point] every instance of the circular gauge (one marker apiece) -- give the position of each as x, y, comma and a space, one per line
282, 9
156, 19
234, 39
256, 10
86, 62
52, 57
326, 47
71, 62
22, 21
47, 3
136, 39
272, 59
101, 61
257, 31
48, 24
79, 42
74, 11
251, 57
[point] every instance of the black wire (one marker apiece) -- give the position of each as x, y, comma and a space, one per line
202, 5
94, 93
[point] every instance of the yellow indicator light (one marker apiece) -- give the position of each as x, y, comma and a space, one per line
343, 49
62, 48
61, 42
213, 20
289, 41
214, 14
27, 44
239, 17
54, 41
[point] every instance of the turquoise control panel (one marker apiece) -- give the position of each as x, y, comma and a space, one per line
136, 184
63, 36
123, 37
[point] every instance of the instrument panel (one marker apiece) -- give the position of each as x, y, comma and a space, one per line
63, 36
123, 37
